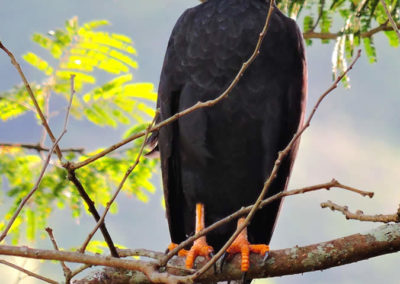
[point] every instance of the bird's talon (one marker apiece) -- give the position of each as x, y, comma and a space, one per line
244, 277
266, 254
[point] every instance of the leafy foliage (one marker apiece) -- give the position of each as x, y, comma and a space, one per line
87, 53
355, 21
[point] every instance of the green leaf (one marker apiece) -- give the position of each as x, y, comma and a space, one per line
308, 23
393, 38
38, 62
370, 49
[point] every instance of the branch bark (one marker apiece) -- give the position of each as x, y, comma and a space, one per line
384, 239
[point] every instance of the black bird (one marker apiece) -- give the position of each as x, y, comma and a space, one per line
217, 158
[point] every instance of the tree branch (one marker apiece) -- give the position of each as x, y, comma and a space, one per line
317, 35
382, 240
92, 209
359, 215
64, 267
40, 148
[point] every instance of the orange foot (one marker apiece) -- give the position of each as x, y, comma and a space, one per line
241, 245
200, 246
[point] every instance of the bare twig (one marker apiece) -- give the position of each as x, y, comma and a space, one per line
30, 273
316, 35
65, 268
39, 147
92, 209
274, 172
389, 15
32, 96
128, 172
359, 215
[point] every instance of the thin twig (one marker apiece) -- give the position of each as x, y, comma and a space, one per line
76, 272
64, 267
316, 35
40, 148
274, 172
359, 215
30, 273
128, 172
389, 15
32, 96
92, 209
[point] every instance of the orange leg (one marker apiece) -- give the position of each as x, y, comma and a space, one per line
200, 246
241, 245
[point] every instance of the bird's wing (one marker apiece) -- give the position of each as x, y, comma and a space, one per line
169, 91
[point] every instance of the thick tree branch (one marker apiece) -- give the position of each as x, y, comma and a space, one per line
382, 240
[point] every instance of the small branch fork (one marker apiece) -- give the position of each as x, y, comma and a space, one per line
359, 215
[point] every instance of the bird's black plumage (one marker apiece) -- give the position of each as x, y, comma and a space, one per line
221, 156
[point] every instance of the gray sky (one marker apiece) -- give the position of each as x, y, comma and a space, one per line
353, 138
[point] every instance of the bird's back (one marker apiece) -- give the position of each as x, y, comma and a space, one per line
220, 156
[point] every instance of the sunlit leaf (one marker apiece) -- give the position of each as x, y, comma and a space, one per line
38, 62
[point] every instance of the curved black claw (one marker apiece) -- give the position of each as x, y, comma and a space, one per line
223, 258
244, 277
265, 256
211, 255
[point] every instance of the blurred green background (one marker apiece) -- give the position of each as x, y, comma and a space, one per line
353, 138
